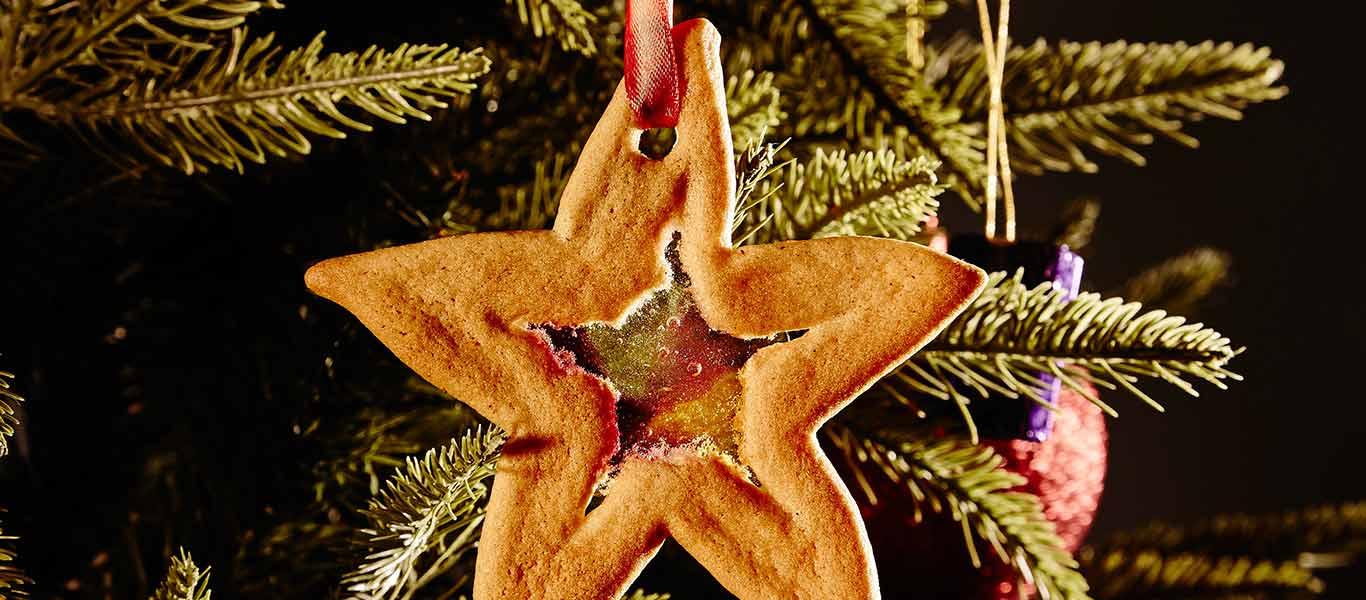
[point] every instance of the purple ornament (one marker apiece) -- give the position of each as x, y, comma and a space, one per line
1065, 274
1042, 262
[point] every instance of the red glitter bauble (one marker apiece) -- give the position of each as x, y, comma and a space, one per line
928, 560
1066, 472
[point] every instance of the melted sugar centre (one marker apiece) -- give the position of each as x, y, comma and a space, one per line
677, 379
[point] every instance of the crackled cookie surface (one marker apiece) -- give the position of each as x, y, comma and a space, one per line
567, 339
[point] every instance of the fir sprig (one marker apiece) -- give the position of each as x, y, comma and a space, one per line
44, 45
1011, 333
751, 103
427, 518
848, 82
565, 20
840, 193
245, 102
1181, 283
1158, 574
374, 442
524, 205
15, 152
954, 476
753, 167
754, 107
1077, 225
184, 580
296, 558
1296, 534
1065, 99
1269, 555
9, 410
532, 205
13, 582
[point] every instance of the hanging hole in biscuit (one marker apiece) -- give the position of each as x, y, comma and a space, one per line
657, 143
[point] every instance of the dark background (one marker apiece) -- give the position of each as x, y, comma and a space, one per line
1272, 190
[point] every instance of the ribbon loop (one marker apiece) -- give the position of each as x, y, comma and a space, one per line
652, 75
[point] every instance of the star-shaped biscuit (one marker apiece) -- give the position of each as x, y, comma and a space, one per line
771, 520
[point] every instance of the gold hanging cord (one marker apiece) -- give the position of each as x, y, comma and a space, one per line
998, 154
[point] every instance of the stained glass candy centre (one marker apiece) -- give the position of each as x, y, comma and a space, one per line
677, 379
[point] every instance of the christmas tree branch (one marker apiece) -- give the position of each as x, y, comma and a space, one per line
516, 206
368, 444
1063, 98
953, 475
1077, 225
1117, 574
41, 41
868, 37
12, 579
752, 168
845, 63
1010, 334
1181, 283
311, 553
839, 193
1299, 534
754, 106
532, 205
9, 411
426, 520
565, 20
184, 581
242, 102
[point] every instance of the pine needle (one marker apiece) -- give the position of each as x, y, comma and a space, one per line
1067, 98
527, 205
57, 39
12, 579
847, 81
1077, 225
9, 411
565, 20
1154, 573
367, 445
531, 205
427, 519
869, 37
840, 193
1296, 534
1182, 283
952, 475
246, 102
1011, 333
184, 581
754, 107
752, 168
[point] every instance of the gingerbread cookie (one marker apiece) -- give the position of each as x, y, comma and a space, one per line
536, 330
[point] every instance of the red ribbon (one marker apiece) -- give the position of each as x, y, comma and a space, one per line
652, 77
